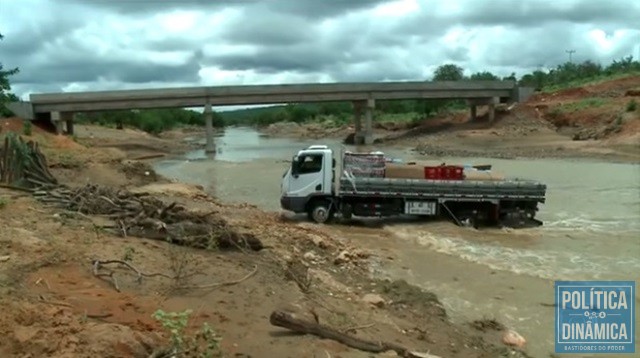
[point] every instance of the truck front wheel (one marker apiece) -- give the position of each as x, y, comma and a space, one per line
320, 211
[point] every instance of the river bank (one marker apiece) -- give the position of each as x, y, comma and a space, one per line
511, 136
57, 307
598, 121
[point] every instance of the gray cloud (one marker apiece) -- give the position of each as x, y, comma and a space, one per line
535, 13
268, 28
109, 70
101, 42
278, 59
138, 7
311, 9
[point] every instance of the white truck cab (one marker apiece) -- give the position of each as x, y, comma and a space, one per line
309, 177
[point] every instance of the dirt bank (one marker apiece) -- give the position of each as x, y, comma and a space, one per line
60, 303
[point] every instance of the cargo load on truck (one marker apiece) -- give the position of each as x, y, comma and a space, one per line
372, 185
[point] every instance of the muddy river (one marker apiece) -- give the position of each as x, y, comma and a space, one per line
591, 230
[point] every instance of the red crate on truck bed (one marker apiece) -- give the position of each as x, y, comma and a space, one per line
444, 172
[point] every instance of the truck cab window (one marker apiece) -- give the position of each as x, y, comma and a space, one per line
311, 163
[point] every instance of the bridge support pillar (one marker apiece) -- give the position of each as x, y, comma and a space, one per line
358, 137
208, 119
492, 108
490, 103
363, 135
63, 121
67, 117
368, 122
56, 119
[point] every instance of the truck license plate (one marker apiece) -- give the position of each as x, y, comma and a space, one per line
420, 207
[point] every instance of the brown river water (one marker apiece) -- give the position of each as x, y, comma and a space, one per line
591, 230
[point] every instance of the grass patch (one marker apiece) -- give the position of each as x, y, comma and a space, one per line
585, 103
632, 105
66, 160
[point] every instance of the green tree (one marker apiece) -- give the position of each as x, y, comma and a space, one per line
448, 72
484, 76
5, 87
511, 77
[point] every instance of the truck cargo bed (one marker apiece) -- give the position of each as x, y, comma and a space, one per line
516, 189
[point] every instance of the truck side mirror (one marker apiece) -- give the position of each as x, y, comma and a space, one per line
295, 167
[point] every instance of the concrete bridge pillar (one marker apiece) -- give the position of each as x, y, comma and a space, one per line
363, 135
63, 121
68, 120
474, 111
368, 122
56, 119
358, 137
489, 102
492, 108
208, 119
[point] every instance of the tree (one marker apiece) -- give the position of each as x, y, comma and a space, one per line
5, 88
511, 77
448, 72
484, 76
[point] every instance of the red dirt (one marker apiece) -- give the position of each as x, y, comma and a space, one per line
14, 124
599, 104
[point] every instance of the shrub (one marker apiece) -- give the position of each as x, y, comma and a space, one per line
205, 343
632, 106
26, 128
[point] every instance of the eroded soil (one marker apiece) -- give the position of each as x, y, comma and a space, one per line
55, 305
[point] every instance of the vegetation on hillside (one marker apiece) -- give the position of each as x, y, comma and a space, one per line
149, 120
5, 87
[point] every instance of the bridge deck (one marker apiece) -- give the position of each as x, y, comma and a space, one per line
267, 94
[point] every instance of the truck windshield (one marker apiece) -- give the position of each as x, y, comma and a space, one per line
307, 163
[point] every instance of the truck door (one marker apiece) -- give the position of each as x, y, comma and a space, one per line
307, 175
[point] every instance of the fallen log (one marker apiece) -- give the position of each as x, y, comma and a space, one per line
149, 156
289, 321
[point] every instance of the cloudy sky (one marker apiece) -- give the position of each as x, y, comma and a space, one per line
73, 45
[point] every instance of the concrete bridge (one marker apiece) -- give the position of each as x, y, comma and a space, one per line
61, 107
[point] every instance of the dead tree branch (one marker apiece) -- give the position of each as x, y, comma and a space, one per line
289, 321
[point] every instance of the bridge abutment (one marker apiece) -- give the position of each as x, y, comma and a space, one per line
208, 119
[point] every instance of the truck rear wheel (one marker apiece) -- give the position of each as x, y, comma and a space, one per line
320, 211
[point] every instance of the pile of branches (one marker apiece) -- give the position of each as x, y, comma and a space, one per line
23, 165
141, 215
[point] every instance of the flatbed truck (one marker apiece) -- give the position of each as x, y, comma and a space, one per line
324, 189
